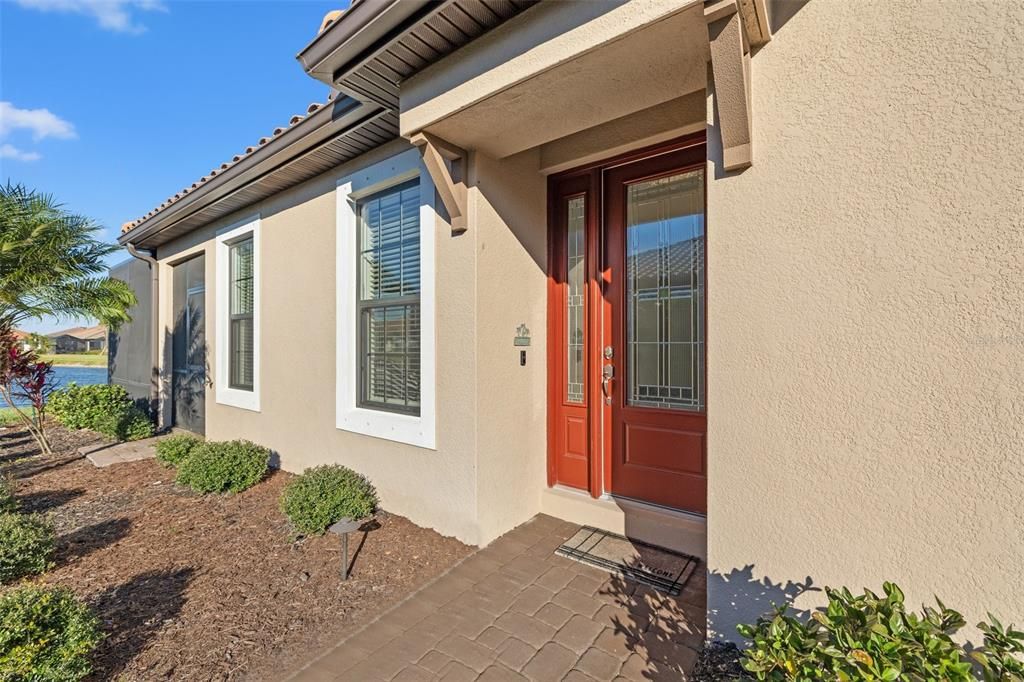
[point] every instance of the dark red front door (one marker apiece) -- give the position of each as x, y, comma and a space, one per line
654, 245
627, 328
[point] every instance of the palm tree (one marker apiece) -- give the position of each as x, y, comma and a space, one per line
51, 263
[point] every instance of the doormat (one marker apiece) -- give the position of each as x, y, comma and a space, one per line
660, 568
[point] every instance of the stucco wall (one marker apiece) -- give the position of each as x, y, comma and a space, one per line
435, 488
508, 215
866, 286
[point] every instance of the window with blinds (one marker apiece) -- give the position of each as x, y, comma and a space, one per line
389, 299
240, 331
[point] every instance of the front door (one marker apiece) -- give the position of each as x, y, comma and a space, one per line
627, 306
189, 357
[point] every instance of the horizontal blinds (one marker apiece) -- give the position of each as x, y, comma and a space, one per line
389, 287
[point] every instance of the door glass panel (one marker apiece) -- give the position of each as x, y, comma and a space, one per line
575, 268
665, 292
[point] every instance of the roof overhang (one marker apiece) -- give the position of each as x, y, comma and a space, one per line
364, 55
362, 28
377, 44
219, 195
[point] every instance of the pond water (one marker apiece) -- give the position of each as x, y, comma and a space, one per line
80, 375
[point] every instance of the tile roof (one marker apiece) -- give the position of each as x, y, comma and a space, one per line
84, 333
292, 122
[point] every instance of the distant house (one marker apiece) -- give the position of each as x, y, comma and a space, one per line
79, 339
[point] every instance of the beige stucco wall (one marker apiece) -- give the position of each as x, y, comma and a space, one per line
866, 288
297, 417
508, 215
557, 69
487, 471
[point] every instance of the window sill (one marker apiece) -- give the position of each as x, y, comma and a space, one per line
244, 400
393, 426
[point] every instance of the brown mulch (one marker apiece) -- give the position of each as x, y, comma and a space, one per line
211, 587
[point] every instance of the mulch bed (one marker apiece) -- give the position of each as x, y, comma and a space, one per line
719, 661
209, 587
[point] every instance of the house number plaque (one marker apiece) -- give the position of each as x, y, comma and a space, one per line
522, 337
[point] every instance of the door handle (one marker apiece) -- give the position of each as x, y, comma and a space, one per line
607, 373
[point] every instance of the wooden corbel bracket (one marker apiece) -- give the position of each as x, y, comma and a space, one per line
446, 164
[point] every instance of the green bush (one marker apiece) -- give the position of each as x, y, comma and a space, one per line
224, 467
326, 494
46, 635
106, 408
867, 637
26, 545
172, 450
7, 487
131, 424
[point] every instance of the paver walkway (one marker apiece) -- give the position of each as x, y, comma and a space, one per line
516, 611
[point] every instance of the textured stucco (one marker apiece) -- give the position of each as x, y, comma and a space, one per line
557, 69
487, 472
865, 293
297, 418
508, 218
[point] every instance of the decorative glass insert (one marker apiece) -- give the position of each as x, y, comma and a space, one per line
240, 329
389, 299
665, 292
575, 268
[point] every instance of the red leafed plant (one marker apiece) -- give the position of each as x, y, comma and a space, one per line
25, 378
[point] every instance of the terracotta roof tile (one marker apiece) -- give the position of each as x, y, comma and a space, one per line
293, 121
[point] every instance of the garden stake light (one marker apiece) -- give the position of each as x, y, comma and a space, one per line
343, 528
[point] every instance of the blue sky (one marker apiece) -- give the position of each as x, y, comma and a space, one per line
114, 105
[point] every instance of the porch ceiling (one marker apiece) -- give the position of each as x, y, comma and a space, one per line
641, 69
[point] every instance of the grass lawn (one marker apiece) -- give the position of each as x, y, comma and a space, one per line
88, 359
7, 416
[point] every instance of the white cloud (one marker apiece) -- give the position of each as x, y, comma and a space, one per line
8, 151
112, 15
41, 122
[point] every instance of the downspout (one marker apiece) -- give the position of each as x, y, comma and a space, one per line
149, 256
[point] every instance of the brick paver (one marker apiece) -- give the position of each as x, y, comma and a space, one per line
515, 611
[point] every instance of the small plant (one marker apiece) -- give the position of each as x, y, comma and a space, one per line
106, 408
867, 637
224, 467
171, 451
46, 635
8, 486
26, 545
326, 494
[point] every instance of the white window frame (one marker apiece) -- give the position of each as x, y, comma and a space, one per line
224, 393
404, 428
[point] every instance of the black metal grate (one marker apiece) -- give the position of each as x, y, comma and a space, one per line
661, 568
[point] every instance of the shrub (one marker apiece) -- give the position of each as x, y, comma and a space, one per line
79, 407
1002, 656
26, 545
7, 487
224, 467
172, 450
46, 635
875, 638
106, 408
326, 494
131, 424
